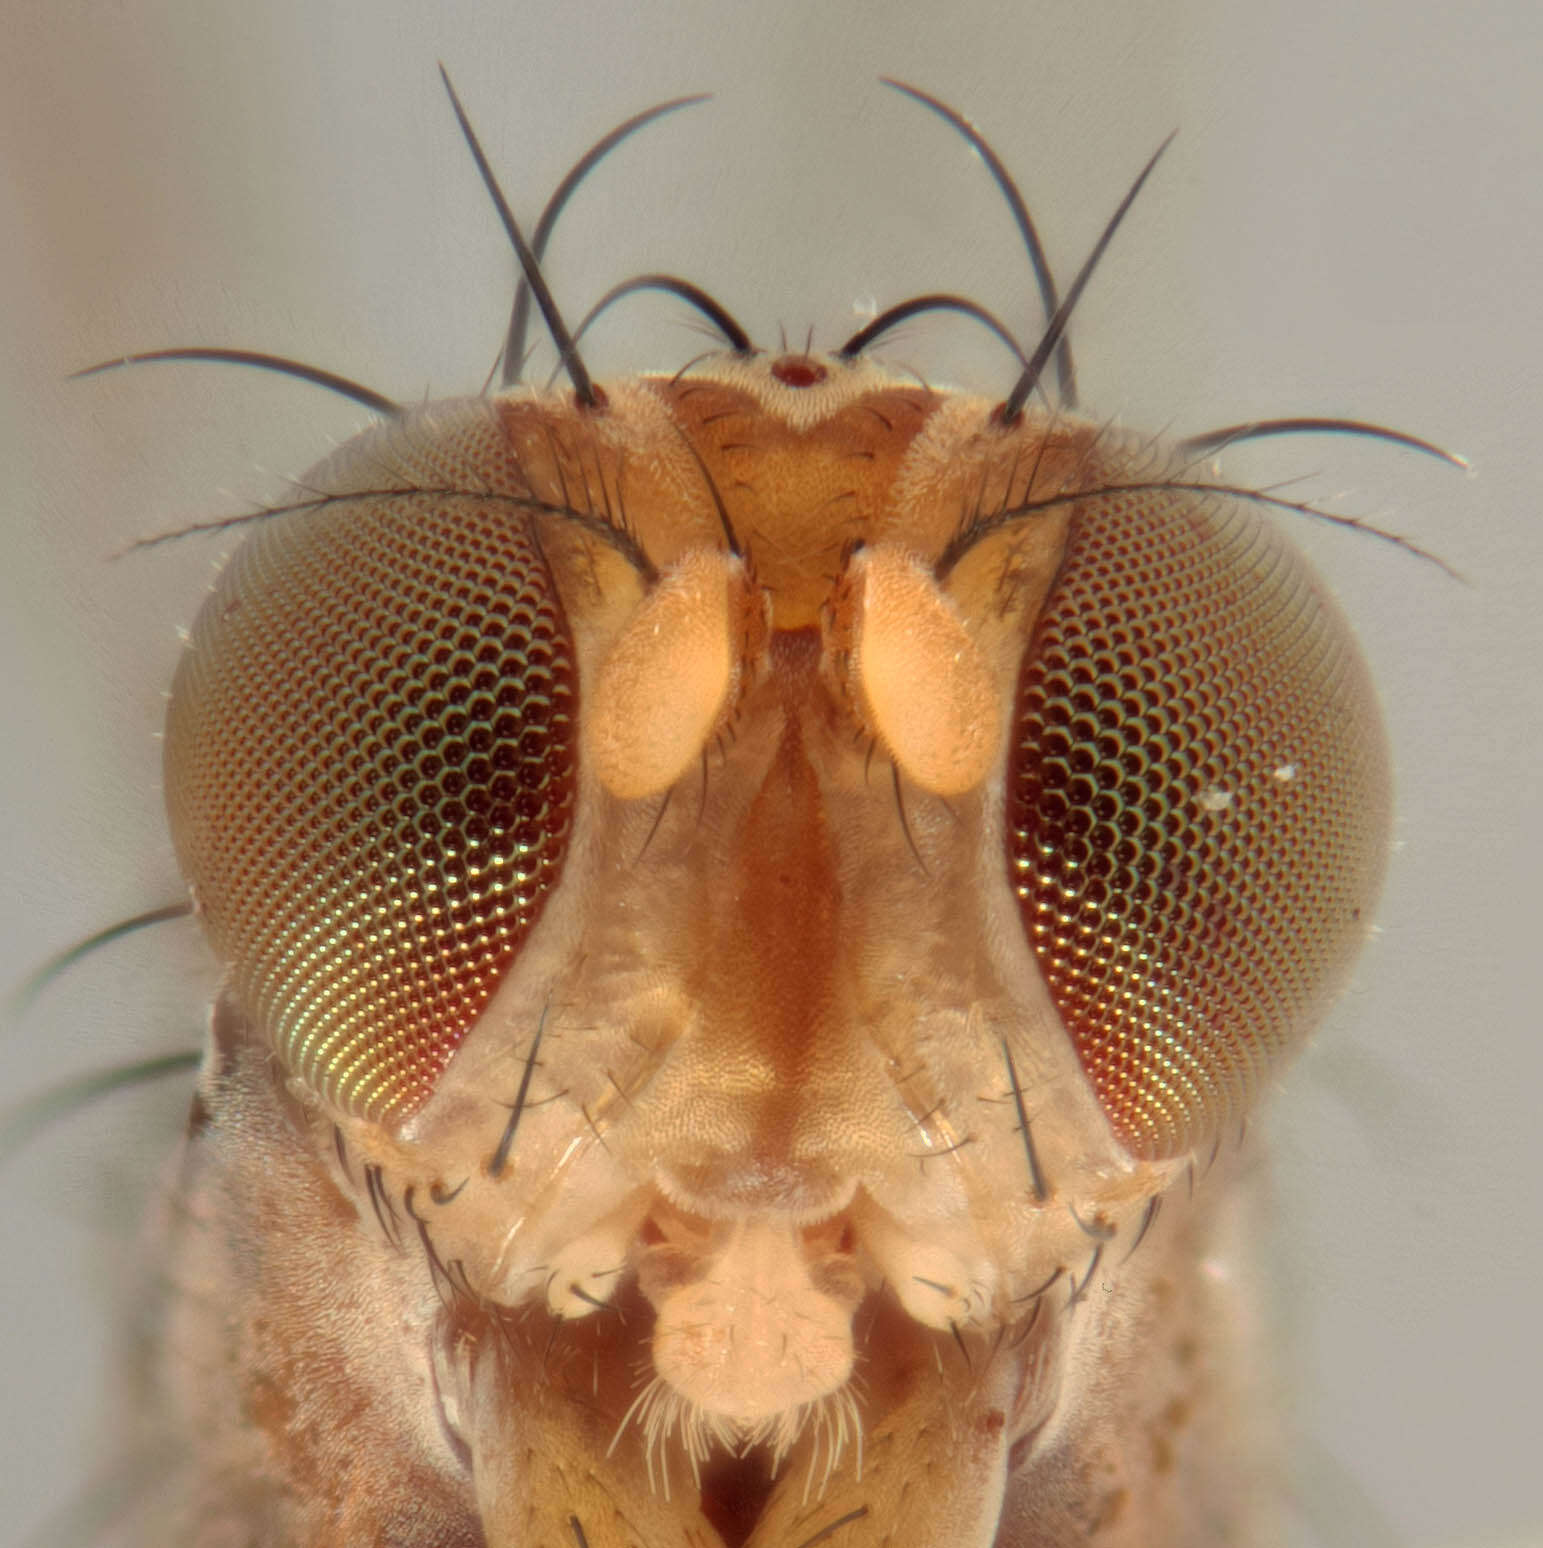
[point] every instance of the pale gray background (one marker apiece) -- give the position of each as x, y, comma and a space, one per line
1348, 223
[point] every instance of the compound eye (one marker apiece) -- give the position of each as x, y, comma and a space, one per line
371, 774
1197, 808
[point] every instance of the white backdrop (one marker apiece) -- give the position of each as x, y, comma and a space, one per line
1347, 224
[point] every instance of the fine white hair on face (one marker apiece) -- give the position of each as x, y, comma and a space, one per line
1345, 225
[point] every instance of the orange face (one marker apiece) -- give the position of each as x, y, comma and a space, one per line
738, 901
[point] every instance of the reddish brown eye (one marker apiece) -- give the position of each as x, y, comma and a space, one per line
1197, 808
370, 773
